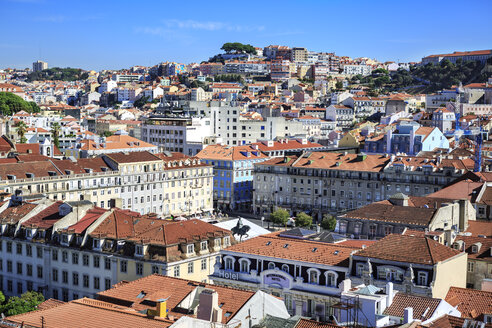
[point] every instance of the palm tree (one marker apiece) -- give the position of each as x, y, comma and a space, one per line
21, 131
55, 131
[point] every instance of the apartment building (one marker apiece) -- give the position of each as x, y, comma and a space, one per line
407, 137
324, 182
233, 174
305, 274
480, 55
479, 267
166, 183
401, 212
188, 186
357, 69
68, 250
235, 130
343, 116
87, 179
366, 106
176, 134
298, 54
414, 264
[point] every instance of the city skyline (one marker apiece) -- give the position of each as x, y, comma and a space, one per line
99, 36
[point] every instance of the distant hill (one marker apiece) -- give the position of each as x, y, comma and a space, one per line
58, 74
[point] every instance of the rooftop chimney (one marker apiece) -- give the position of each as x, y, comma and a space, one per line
345, 285
389, 292
208, 306
408, 315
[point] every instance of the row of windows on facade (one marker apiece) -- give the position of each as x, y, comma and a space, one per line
313, 273
85, 262
342, 228
389, 273
55, 291
190, 268
349, 194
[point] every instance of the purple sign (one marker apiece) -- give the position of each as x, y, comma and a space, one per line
276, 279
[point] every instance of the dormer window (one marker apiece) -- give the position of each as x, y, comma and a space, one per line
96, 243
139, 250
29, 233
204, 245
227, 241
476, 248
64, 239
217, 242
190, 249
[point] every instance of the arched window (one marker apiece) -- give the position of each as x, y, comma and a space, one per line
331, 279
229, 263
285, 268
313, 276
244, 265
271, 266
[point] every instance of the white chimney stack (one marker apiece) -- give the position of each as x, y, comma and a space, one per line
389, 292
345, 285
408, 315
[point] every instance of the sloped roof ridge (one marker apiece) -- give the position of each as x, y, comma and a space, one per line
305, 241
97, 304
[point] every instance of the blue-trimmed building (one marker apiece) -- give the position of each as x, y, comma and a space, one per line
233, 174
409, 138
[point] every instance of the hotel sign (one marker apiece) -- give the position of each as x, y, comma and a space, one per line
228, 275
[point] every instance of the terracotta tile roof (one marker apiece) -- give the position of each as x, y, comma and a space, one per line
32, 158
91, 215
46, 218
130, 225
13, 214
133, 157
27, 148
448, 321
486, 197
483, 228
412, 249
423, 202
120, 224
306, 323
158, 286
471, 303
461, 190
115, 142
484, 247
332, 161
234, 153
20, 170
85, 313
423, 307
393, 213
299, 250
286, 145
49, 303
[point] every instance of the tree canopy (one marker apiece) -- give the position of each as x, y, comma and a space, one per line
11, 104
140, 102
17, 305
329, 222
58, 74
280, 217
238, 48
228, 78
303, 220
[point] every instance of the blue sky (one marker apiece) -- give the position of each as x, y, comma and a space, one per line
119, 34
